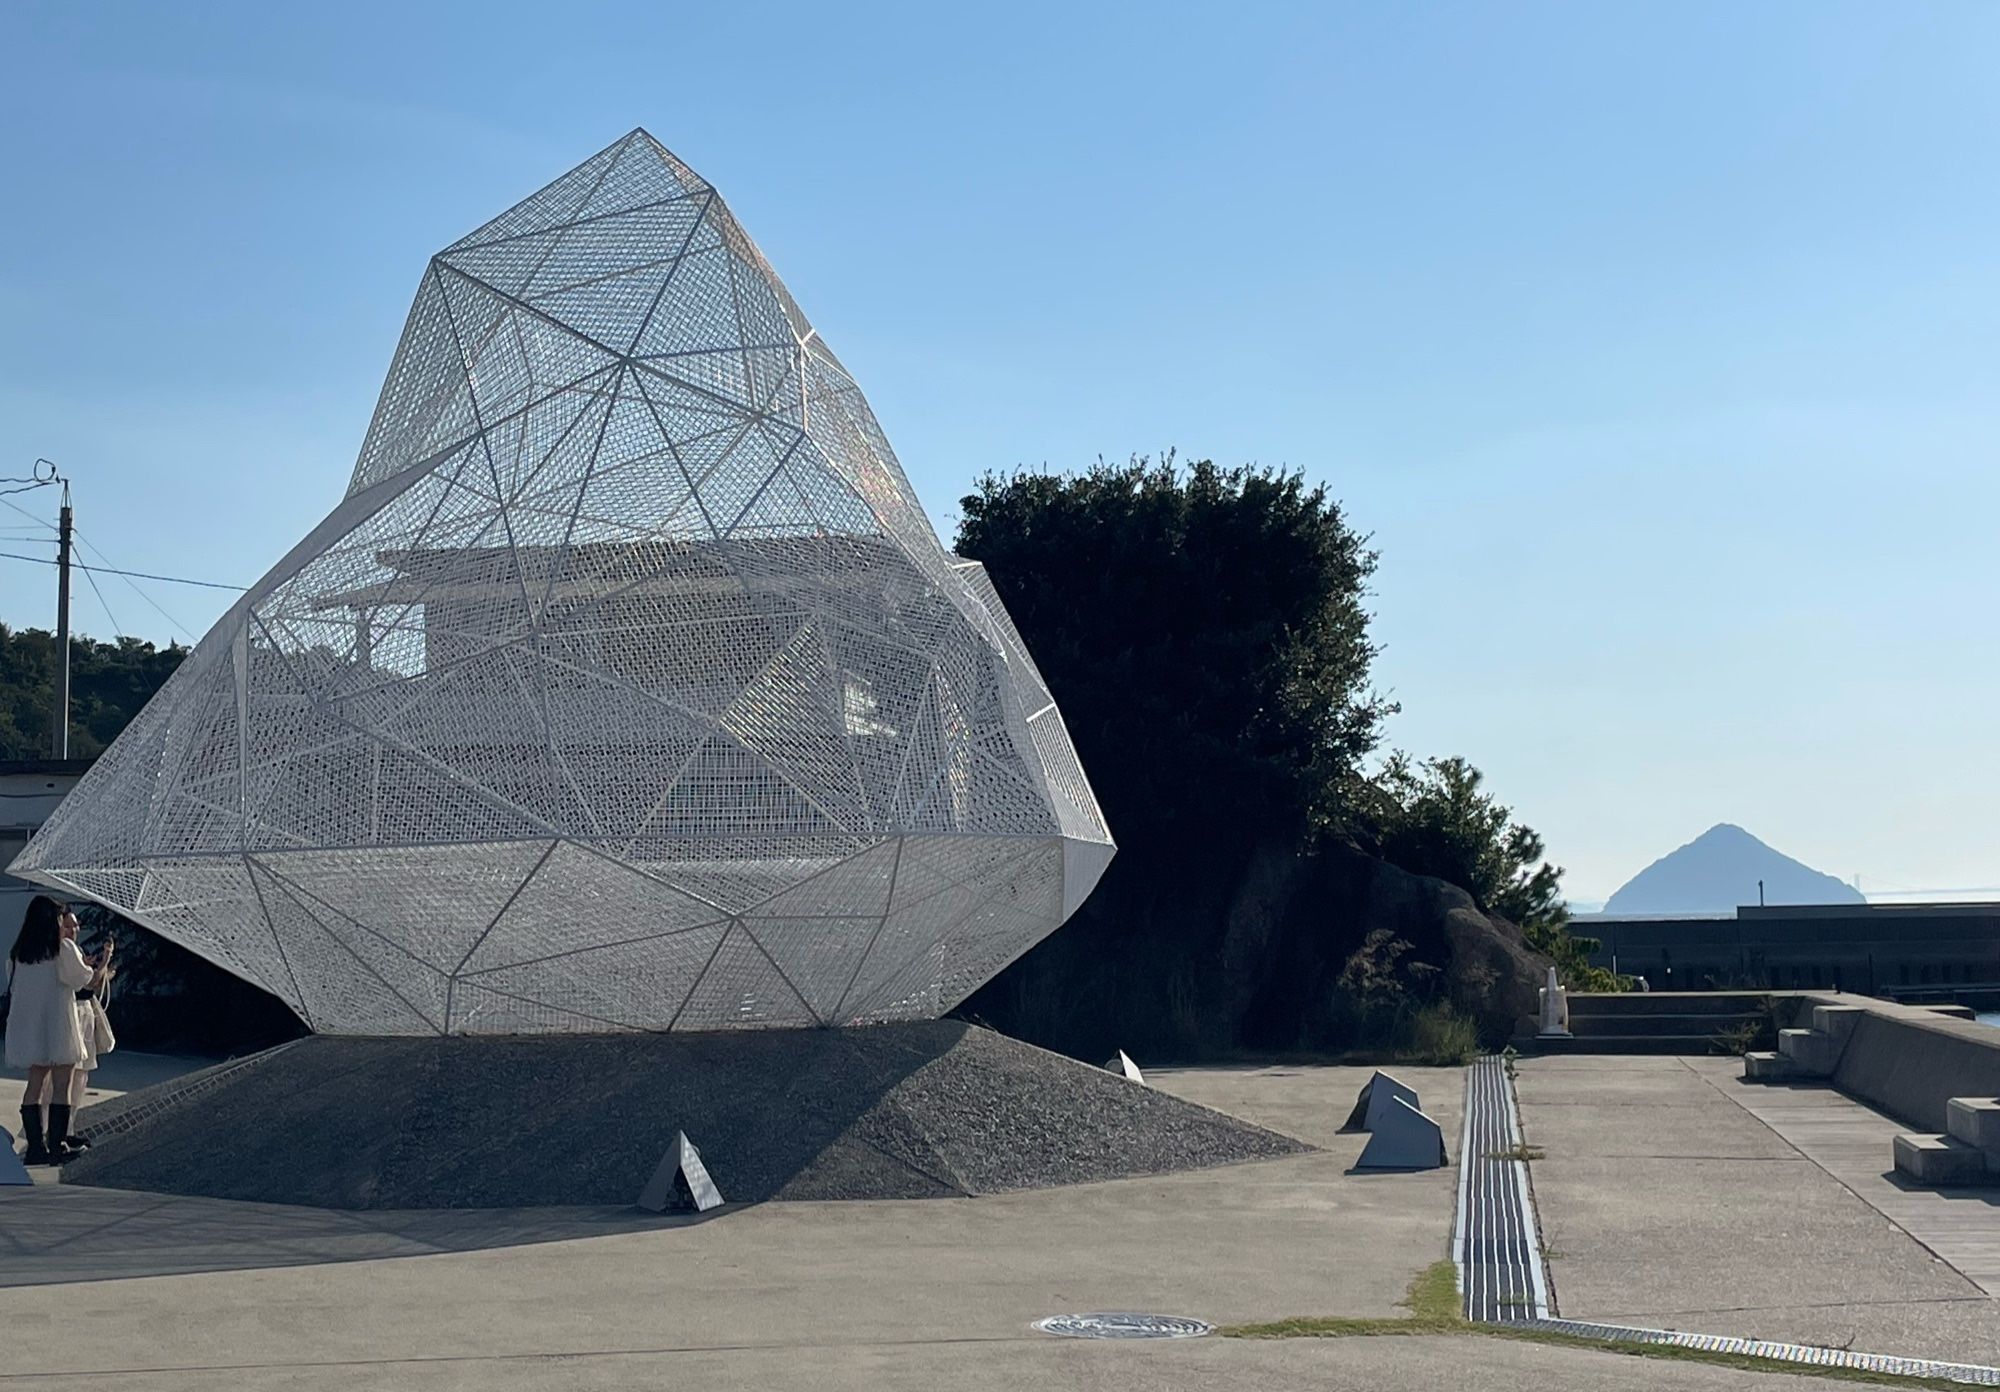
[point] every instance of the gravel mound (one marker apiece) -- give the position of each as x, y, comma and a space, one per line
930, 1109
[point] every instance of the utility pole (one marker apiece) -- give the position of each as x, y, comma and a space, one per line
59, 744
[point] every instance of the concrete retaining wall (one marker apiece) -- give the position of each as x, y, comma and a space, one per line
1909, 1062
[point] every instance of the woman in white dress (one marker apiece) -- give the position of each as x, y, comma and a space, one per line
45, 971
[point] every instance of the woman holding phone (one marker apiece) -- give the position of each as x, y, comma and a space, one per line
45, 970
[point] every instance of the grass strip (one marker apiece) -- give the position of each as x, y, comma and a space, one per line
1435, 1308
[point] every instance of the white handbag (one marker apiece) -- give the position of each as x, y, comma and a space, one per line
100, 1027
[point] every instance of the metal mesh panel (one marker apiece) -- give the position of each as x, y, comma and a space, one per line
628, 687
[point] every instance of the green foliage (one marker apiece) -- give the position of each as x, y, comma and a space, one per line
1438, 1034
1384, 997
109, 682
1753, 1035
1205, 632
1435, 818
1205, 629
1438, 820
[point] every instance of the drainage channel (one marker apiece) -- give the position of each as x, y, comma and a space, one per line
1499, 1258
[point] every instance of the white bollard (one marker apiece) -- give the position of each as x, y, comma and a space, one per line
1555, 1009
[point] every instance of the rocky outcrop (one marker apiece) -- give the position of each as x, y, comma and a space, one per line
1295, 920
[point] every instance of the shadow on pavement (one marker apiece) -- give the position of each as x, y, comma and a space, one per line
53, 1234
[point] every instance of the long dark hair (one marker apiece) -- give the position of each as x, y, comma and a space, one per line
41, 932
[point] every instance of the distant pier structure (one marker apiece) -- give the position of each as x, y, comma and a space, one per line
1902, 951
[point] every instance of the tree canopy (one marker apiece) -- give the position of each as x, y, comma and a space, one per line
1435, 818
109, 682
1205, 631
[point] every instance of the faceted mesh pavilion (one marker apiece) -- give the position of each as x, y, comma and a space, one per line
628, 687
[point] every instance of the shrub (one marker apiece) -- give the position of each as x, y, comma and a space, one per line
1438, 1034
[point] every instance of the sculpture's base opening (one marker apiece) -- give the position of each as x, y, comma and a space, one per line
931, 1109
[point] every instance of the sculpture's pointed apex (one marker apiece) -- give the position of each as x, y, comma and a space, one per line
632, 172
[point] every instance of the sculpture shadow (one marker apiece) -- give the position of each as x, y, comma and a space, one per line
58, 1234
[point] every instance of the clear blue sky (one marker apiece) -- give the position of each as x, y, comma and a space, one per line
1655, 343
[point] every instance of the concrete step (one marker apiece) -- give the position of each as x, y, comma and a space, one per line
1810, 1051
1836, 1021
1767, 1066
1665, 1003
1942, 1160
1688, 1044
1976, 1121
1691, 1026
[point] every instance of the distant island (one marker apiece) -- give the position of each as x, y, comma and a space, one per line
1718, 871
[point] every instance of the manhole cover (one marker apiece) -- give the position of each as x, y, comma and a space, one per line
1118, 1325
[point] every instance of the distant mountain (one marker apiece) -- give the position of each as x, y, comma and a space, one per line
1719, 870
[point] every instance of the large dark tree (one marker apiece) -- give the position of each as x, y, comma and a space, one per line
1206, 635
1205, 632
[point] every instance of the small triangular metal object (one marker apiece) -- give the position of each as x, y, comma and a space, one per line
1404, 1139
12, 1171
681, 1181
1123, 1065
1376, 1095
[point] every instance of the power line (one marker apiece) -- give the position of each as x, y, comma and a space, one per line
116, 627
132, 584
40, 475
38, 521
135, 574
109, 569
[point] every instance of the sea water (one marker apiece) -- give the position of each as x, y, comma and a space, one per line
1990, 1017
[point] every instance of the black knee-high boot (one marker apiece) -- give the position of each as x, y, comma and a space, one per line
31, 1127
59, 1150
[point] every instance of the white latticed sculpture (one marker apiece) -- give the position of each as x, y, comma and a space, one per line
627, 687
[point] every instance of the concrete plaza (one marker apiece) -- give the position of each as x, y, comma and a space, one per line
143, 1291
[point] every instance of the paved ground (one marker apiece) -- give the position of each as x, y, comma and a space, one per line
120, 1072
1255, 1241
1665, 1202
1854, 1145
185, 1295
1012, 1364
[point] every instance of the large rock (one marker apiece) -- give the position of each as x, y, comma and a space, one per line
1296, 919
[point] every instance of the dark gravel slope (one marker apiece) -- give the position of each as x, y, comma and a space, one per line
896, 1111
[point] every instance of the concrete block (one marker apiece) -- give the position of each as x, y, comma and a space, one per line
1374, 1099
1814, 1054
681, 1181
12, 1171
1404, 1139
1976, 1121
1940, 1160
1836, 1021
1910, 1063
1767, 1067
1125, 1068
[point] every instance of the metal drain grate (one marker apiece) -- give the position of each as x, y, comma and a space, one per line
1971, 1374
1498, 1255
1123, 1325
